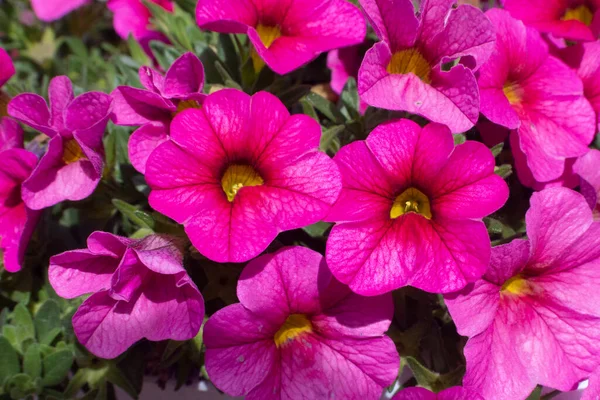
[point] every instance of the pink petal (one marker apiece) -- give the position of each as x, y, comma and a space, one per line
458, 393
160, 253
143, 142
593, 390
107, 244
87, 116
184, 77
507, 261
11, 134
383, 16
415, 393
134, 106
7, 69
32, 110
151, 79
586, 166
50, 10
240, 350
225, 17
433, 14
474, 308
60, 93
468, 178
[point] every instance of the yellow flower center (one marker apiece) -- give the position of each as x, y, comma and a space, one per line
410, 61
236, 177
581, 13
72, 151
294, 326
516, 285
513, 92
411, 200
267, 35
186, 104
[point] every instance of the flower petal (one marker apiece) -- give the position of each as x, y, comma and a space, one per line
184, 77
143, 142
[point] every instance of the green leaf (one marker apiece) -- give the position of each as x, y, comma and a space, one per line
497, 149
432, 380
132, 213
504, 170
116, 377
536, 394
309, 110
137, 53
32, 361
20, 386
317, 230
56, 367
329, 136
459, 139
291, 96
227, 79
47, 322
21, 319
350, 98
327, 108
9, 361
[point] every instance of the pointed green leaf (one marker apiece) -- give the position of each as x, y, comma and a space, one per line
56, 367
327, 108
32, 361
48, 324
9, 360
21, 319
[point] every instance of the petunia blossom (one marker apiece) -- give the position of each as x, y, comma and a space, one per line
298, 333
154, 108
453, 393
588, 169
569, 19
410, 210
51, 10
534, 317
525, 89
285, 34
7, 68
407, 70
139, 289
344, 64
240, 170
17, 221
592, 392
72, 166
132, 17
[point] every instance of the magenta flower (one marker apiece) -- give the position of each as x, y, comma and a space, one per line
298, 333
131, 17
51, 10
286, 34
344, 64
239, 171
410, 210
533, 318
592, 392
139, 290
404, 70
569, 19
7, 69
72, 166
453, 393
17, 221
522, 87
588, 168
165, 96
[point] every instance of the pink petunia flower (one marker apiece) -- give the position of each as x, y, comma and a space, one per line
410, 210
154, 108
51, 10
406, 70
139, 290
569, 19
298, 333
17, 221
285, 34
534, 318
344, 64
592, 392
7, 68
239, 171
72, 166
131, 17
588, 169
453, 393
524, 88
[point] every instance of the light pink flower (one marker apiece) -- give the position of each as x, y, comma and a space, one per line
131, 17
410, 210
298, 333
139, 290
50, 10
7, 69
588, 168
344, 64
17, 221
524, 88
72, 166
404, 71
154, 108
569, 19
453, 393
534, 317
240, 170
286, 34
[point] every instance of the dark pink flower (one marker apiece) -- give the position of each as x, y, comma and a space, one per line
154, 108
298, 333
7, 69
50, 10
139, 290
131, 17
72, 166
17, 221
286, 34
534, 317
569, 19
453, 393
410, 210
240, 170
588, 168
524, 88
405, 70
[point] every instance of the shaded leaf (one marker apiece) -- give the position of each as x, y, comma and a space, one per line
56, 367
9, 360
